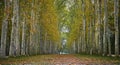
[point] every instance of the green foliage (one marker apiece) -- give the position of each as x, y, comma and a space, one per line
49, 20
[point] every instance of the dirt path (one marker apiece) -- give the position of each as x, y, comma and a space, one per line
45, 60
69, 59
54, 60
66, 60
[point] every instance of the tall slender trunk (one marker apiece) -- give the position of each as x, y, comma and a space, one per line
17, 28
5, 28
109, 42
23, 38
92, 20
93, 29
45, 43
99, 27
14, 45
50, 44
105, 28
74, 47
116, 11
84, 26
78, 45
31, 48
91, 37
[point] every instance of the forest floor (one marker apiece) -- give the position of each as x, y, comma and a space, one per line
56, 59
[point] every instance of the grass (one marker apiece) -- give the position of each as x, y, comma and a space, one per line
98, 58
25, 59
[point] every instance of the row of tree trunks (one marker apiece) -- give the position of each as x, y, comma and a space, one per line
96, 36
5, 28
26, 34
